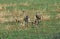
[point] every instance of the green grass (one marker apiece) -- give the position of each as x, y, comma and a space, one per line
43, 31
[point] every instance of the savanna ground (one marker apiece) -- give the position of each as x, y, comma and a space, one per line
48, 28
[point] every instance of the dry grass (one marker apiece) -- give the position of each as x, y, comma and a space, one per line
11, 27
24, 4
58, 10
19, 15
46, 17
57, 16
2, 20
5, 5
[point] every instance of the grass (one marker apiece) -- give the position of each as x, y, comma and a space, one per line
43, 31
46, 28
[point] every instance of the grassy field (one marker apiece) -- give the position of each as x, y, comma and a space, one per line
48, 28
